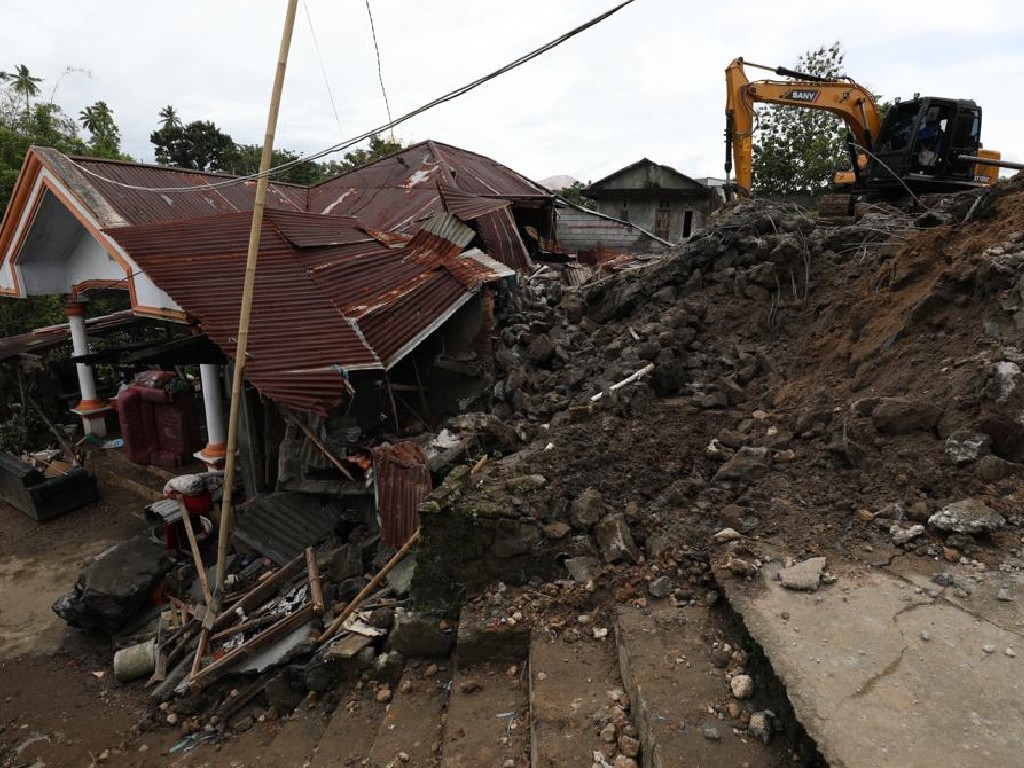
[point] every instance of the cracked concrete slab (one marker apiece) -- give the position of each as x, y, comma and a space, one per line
871, 690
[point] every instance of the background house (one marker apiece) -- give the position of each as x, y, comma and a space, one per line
660, 199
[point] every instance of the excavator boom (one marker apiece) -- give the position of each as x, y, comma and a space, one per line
845, 98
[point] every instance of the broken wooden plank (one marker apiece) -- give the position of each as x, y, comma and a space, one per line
186, 521
316, 591
368, 590
259, 594
348, 646
312, 437
223, 665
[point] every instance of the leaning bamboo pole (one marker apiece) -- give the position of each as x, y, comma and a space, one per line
224, 534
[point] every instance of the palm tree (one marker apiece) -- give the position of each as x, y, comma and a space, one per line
96, 117
169, 118
23, 84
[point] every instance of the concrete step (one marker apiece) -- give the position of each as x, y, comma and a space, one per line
573, 687
885, 669
410, 734
677, 693
349, 734
488, 717
296, 739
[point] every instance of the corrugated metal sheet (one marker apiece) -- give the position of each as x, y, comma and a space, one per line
52, 335
142, 207
317, 312
399, 192
281, 525
403, 482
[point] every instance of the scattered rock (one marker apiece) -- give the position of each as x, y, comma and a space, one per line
748, 464
897, 416
615, 540
967, 516
988, 648
557, 530
470, 686
660, 587
608, 733
760, 726
726, 535
740, 567
621, 761
417, 636
587, 509
805, 576
383, 694
582, 569
926, 635
901, 536
967, 447
992, 468
710, 732
742, 686
629, 746
1004, 596
526, 483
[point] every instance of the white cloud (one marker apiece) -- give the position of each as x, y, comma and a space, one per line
646, 82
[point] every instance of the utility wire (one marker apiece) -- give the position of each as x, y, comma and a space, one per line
380, 69
451, 95
323, 69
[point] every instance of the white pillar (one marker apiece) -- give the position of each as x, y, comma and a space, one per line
92, 410
216, 433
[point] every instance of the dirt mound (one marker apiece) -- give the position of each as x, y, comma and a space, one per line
812, 385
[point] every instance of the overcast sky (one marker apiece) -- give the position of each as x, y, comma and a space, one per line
647, 82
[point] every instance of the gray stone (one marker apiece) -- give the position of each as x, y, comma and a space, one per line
346, 562
513, 538
586, 509
992, 469
710, 732
966, 447
805, 576
526, 483
901, 536
115, 586
416, 636
582, 569
1004, 596
748, 464
726, 535
760, 726
897, 416
967, 516
615, 540
660, 587
742, 686
400, 577
541, 351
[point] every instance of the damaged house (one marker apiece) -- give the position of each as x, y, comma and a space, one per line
375, 292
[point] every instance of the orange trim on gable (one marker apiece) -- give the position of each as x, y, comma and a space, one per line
22, 189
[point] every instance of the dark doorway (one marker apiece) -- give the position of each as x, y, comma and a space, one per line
687, 223
662, 223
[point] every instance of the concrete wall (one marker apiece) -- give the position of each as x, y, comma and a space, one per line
642, 211
582, 231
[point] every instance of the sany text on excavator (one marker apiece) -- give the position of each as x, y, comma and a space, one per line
926, 144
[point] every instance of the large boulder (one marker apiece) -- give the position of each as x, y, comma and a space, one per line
115, 587
967, 516
615, 540
897, 416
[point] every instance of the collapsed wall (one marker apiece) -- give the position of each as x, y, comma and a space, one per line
813, 385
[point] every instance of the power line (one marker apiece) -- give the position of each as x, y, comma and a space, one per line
380, 70
340, 147
323, 69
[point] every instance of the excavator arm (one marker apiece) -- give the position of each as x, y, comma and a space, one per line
845, 98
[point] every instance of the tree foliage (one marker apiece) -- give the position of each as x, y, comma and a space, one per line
105, 136
199, 146
797, 150
245, 161
574, 194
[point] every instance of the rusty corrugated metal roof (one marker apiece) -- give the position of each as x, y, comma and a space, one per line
143, 207
318, 312
399, 192
403, 482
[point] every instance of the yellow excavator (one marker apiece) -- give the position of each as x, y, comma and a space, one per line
926, 144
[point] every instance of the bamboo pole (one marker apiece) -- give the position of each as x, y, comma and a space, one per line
316, 591
186, 520
332, 630
238, 379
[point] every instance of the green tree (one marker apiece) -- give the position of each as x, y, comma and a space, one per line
797, 150
245, 161
169, 118
357, 158
574, 194
23, 84
105, 136
200, 146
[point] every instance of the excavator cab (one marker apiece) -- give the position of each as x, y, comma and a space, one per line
920, 143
